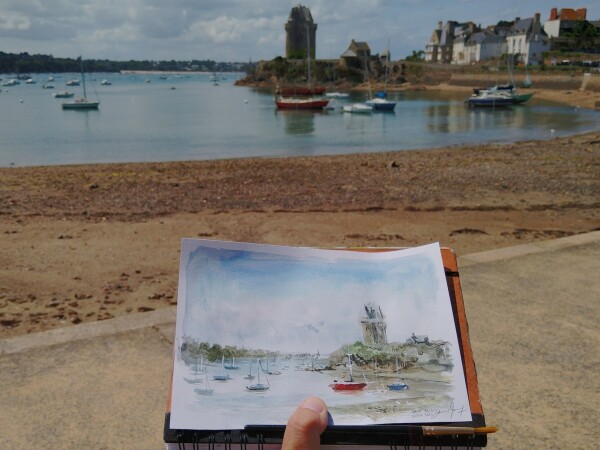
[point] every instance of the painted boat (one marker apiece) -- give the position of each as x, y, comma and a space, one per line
349, 385
258, 386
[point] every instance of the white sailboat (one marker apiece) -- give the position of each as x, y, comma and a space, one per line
196, 370
83, 102
206, 390
249, 376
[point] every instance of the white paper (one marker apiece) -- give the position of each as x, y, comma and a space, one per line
291, 314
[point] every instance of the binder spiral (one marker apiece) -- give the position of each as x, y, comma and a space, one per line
257, 437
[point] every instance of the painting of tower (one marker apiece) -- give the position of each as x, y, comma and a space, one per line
300, 34
374, 327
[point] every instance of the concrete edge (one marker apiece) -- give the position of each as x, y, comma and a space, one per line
166, 316
527, 249
89, 330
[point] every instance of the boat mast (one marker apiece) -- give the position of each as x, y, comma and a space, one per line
308, 54
82, 77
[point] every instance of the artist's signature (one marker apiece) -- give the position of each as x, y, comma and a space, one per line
432, 413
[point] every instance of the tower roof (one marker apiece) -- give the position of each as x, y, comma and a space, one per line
301, 13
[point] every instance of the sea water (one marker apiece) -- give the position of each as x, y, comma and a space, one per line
145, 118
231, 401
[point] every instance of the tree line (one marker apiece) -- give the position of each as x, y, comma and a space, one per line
26, 63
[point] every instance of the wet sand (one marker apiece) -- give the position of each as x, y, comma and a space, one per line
92, 242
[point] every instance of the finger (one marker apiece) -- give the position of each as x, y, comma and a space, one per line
304, 428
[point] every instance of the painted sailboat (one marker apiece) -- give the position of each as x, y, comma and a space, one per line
82, 102
349, 385
196, 369
258, 386
399, 385
223, 376
249, 376
232, 366
206, 390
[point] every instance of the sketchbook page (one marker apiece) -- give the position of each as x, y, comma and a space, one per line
261, 327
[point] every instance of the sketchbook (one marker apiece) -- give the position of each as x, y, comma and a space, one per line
380, 336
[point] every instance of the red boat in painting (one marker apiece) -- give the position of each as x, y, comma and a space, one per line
348, 385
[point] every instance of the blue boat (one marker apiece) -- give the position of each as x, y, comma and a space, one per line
381, 104
397, 387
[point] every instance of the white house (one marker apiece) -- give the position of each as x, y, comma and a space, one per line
528, 40
484, 45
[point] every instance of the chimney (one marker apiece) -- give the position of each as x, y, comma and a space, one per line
581, 13
553, 14
440, 25
537, 26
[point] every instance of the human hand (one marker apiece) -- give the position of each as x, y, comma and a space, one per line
304, 428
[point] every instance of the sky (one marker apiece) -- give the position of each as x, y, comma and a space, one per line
239, 30
274, 299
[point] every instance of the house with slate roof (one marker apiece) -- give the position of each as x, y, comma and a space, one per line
528, 41
484, 45
357, 55
440, 48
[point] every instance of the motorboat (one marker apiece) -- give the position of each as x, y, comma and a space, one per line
360, 108
63, 94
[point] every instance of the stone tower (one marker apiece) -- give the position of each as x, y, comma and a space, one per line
374, 326
299, 30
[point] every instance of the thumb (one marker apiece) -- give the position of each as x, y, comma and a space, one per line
304, 428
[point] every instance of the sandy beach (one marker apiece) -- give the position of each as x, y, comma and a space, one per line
88, 243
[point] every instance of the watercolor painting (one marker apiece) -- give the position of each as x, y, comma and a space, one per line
260, 327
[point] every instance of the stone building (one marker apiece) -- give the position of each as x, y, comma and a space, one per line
374, 326
357, 55
300, 34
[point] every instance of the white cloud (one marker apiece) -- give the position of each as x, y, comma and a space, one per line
235, 30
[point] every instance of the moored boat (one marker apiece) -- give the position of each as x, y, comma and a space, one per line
83, 102
360, 108
489, 98
63, 94
381, 104
349, 385
301, 103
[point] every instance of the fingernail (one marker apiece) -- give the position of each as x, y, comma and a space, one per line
313, 404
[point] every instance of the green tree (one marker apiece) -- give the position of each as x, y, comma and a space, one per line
417, 55
584, 37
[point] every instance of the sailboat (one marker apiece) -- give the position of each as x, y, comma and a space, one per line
258, 387
83, 102
206, 390
349, 385
249, 376
232, 366
196, 369
399, 385
380, 101
283, 101
224, 376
